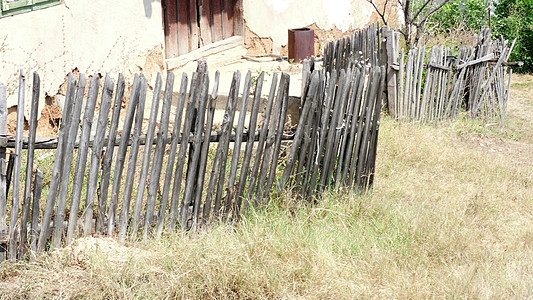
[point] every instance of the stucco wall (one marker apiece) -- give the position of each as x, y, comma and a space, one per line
92, 36
272, 18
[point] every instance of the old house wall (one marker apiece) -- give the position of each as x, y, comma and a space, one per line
90, 36
267, 21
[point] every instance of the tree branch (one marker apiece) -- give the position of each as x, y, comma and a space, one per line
435, 9
381, 14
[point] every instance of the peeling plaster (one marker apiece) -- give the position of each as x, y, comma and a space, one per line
273, 18
96, 36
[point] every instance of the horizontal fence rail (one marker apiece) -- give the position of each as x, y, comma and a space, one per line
141, 180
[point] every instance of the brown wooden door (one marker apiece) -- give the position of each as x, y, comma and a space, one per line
191, 24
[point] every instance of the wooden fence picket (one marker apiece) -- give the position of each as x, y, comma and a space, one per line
157, 165
132, 162
172, 154
108, 160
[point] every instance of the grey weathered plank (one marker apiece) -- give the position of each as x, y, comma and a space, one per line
291, 160
329, 147
350, 158
96, 157
4, 229
35, 210
17, 167
29, 162
143, 176
132, 161
270, 139
261, 142
81, 163
3, 174
192, 169
341, 165
121, 155
359, 136
204, 153
363, 153
227, 128
67, 157
399, 104
245, 168
279, 133
414, 83
331, 79
219, 156
339, 126
101, 126
375, 130
178, 174
421, 58
392, 59
159, 153
237, 144
58, 164
108, 158
307, 185
306, 141
9, 170
172, 155
408, 84
3, 116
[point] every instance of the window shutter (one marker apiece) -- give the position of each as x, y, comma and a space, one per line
14, 4
41, 1
11, 7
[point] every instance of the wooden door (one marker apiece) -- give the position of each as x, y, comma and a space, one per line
192, 24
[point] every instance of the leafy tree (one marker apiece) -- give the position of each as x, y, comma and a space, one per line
415, 14
515, 20
470, 14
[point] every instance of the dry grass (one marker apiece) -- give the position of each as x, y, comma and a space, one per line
450, 216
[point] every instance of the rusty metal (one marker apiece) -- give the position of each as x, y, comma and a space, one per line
301, 44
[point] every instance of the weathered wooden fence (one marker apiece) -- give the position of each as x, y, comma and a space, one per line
362, 48
182, 180
431, 85
438, 85
336, 138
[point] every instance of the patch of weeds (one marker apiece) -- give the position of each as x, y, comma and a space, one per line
467, 126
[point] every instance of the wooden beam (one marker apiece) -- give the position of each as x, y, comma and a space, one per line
210, 49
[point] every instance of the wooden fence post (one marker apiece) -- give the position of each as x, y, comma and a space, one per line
108, 158
17, 168
121, 159
68, 158
172, 155
81, 163
4, 229
101, 126
29, 163
157, 165
147, 154
237, 144
134, 152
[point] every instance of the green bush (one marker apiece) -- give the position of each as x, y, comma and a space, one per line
515, 20
471, 14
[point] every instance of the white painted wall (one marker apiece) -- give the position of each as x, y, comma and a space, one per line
272, 18
91, 35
